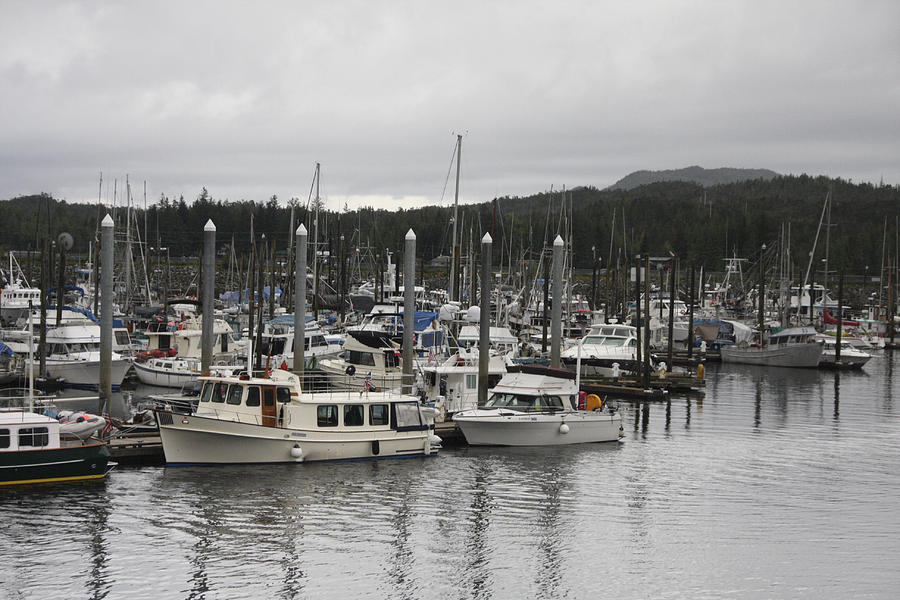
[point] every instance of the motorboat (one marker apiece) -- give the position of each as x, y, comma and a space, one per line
537, 406
451, 384
851, 357
169, 371
266, 417
278, 342
34, 448
606, 351
791, 347
368, 356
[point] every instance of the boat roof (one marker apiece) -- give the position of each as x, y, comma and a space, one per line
498, 335
19, 417
534, 384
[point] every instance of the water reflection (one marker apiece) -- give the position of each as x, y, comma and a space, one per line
837, 395
476, 545
97, 584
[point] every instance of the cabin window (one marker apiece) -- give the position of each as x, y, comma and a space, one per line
283, 394
378, 414
165, 342
253, 396
122, 338
407, 415
36, 437
355, 357
4, 438
224, 340
167, 365
207, 392
234, 394
548, 403
471, 381
353, 415
220, 390
319, 340
268, 397
326, 415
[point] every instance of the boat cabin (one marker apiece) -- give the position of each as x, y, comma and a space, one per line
24, 430
277, 401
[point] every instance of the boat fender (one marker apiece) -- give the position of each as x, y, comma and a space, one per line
564, 428
297, 452
376, 447
350, 370
700, 371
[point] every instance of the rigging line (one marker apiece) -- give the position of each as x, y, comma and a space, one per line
449, 170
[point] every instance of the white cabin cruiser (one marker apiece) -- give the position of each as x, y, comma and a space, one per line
537, 406
606, 351
270, 419
851, 357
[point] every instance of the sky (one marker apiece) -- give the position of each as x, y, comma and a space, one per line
244, 98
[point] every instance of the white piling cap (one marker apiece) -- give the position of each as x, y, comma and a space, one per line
558, 241
410, 235
210, 226
487, 239
107, 221
301, 230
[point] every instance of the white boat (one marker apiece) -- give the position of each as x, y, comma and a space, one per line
17, 295
256, 419
851, 357
73, 354
606, 351
167, 372
791, 347
367, 355
535, 406
278, 342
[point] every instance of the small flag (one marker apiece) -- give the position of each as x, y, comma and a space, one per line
108, 427
367, 385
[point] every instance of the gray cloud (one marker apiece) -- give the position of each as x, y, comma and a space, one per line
245, 99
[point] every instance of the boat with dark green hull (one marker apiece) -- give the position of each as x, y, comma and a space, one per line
32, 451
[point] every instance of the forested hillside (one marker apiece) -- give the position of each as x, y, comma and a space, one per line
700, 224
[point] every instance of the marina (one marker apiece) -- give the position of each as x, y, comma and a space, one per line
800, 463
460, 301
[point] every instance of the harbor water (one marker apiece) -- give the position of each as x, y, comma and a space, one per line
777, 483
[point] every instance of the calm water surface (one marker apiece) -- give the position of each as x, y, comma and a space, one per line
775, 484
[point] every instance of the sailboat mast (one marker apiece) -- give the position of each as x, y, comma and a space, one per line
453, 249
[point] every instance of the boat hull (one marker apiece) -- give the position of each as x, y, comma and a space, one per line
69, 463
191, 439
491, 428
787, 355
163, 378
85, 375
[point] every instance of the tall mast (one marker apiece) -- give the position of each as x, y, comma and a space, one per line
315, 265
453, 250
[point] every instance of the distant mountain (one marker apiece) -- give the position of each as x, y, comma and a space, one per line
695, 174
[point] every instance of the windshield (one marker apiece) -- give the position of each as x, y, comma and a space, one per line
523, 403
599, 340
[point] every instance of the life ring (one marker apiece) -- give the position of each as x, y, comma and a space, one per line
350, 370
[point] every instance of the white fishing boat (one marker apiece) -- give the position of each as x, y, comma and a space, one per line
278, 342
537, 406
791, 347
270, 419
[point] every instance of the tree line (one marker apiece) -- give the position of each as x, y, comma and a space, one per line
702, 225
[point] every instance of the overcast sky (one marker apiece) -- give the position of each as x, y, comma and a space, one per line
245, 97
